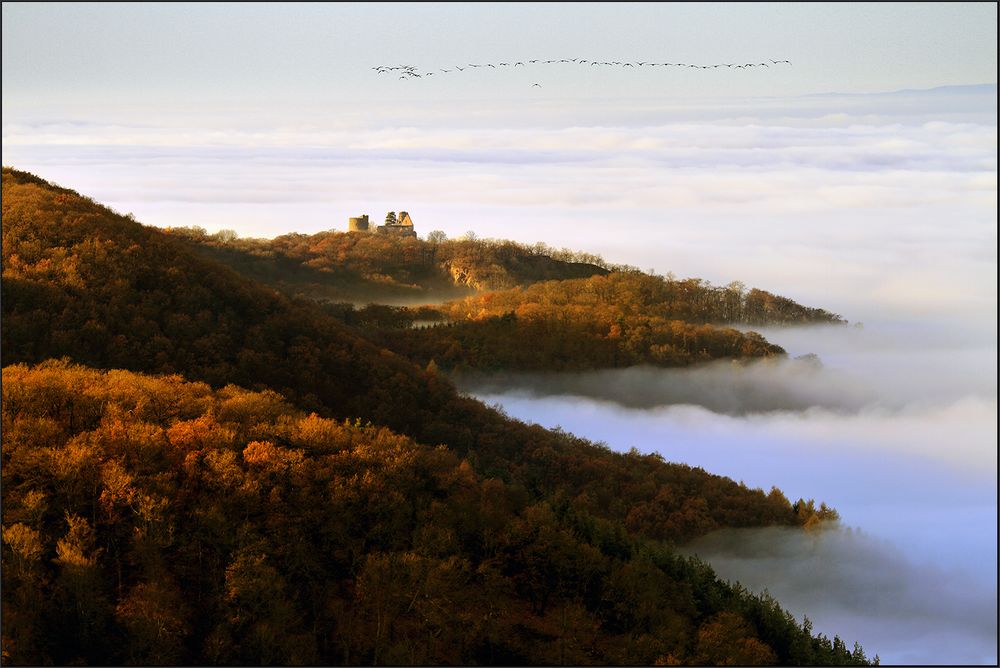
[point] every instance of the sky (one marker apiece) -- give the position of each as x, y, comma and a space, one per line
270, 54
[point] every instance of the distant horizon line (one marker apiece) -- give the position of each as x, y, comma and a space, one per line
945, 87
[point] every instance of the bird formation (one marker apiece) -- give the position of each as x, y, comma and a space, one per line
411, 72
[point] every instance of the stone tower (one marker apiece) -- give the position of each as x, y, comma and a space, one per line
359, 224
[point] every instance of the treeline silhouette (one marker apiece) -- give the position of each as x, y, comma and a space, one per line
181, 518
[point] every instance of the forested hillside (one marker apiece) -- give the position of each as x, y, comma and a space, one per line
577, 311
633, 294
139, 508
620, 319
151, 520
361, 267
554, 342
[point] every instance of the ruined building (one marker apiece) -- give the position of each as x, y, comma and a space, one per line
359, 224
399, 225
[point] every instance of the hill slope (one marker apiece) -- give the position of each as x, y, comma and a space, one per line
87, 284
361, 268
151, 520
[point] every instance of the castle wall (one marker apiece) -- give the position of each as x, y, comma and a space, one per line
403, 226
397, 230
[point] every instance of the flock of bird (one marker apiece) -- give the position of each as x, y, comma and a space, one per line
410, 71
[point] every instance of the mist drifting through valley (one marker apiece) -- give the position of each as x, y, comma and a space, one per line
895, 427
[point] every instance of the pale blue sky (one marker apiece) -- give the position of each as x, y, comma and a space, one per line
259, 54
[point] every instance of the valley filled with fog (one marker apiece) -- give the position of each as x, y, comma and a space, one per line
893, 424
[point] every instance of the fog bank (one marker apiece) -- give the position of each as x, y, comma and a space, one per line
865, 588
897, 429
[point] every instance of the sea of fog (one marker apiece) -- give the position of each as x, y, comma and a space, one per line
895, 426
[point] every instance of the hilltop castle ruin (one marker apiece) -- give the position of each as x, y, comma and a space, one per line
400, 225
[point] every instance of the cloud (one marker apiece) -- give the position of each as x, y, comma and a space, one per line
897, 430
721, 387
890, 197
878, 207
864, 589
887, 365
905, 389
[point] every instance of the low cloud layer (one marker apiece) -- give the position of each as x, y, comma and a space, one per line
897, 430
721, 387
866, 589
886, 368
892, 197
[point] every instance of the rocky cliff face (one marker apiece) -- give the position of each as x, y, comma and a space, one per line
486, 275
480, 278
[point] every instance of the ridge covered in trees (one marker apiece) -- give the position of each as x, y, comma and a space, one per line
578, 311
615, 320
361, 267
629, 294
193, 516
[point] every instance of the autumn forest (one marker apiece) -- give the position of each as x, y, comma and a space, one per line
242, 451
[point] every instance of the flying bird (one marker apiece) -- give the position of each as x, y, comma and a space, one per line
411, 71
